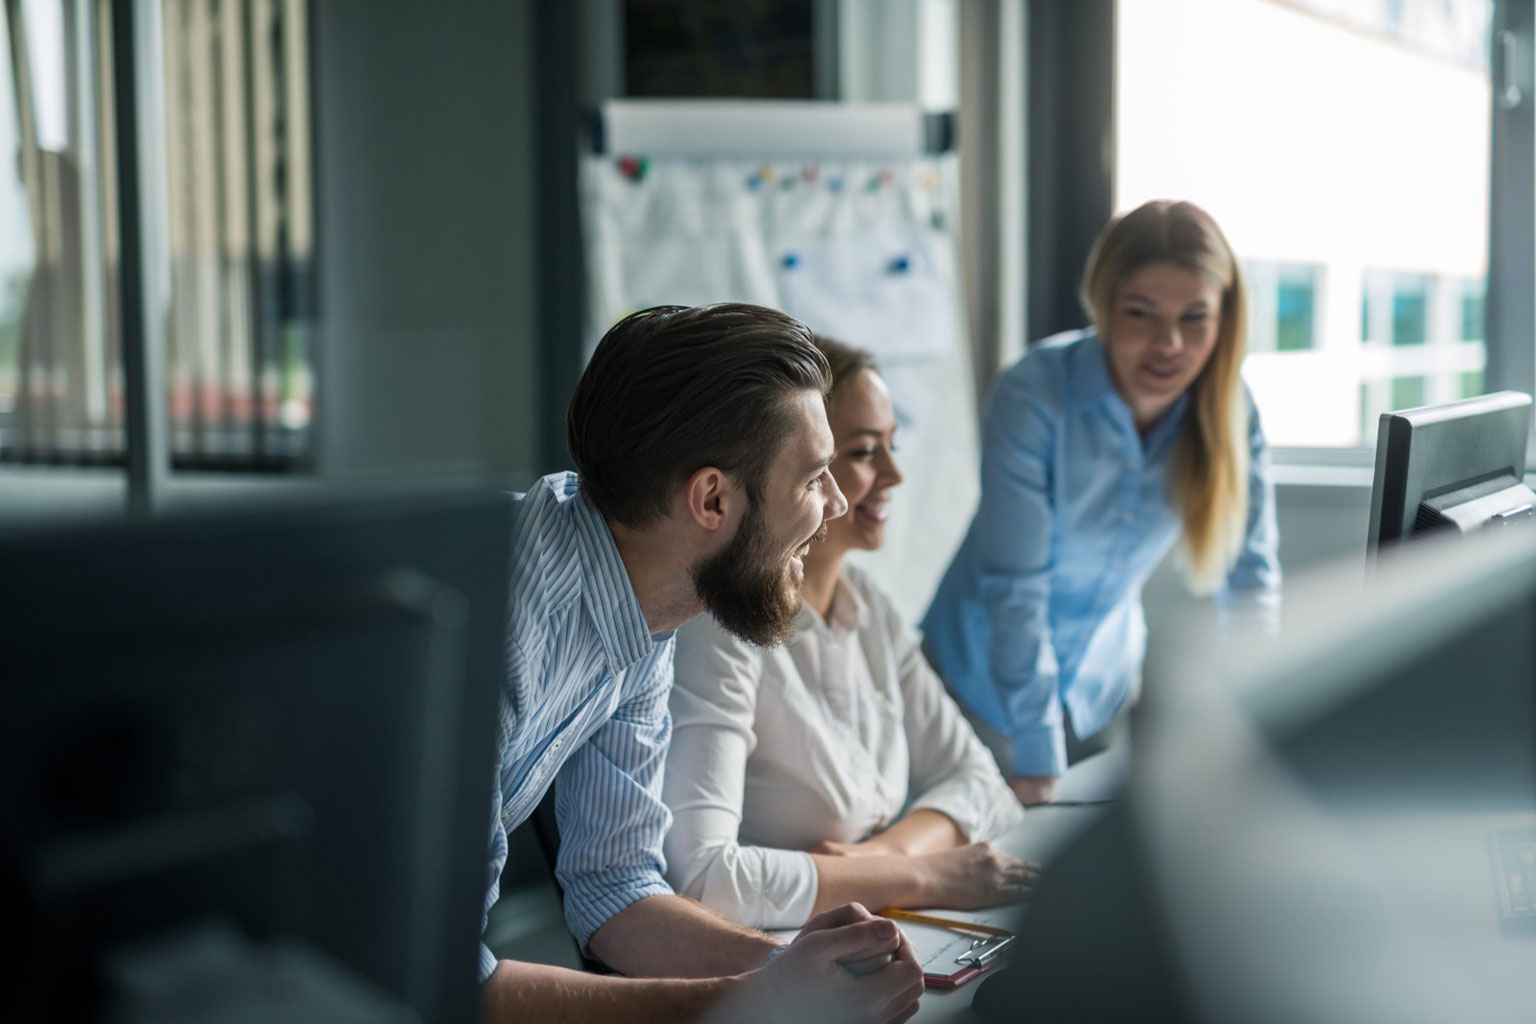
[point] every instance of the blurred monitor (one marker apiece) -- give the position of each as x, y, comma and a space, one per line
1338, 824
1457, 467
246, 761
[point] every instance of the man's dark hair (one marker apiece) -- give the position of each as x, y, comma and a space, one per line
672, 389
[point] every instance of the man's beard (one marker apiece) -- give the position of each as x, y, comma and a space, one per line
747, 586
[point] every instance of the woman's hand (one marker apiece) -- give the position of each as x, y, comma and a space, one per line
975, 876
1033, 789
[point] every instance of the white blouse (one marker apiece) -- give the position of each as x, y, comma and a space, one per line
832, 737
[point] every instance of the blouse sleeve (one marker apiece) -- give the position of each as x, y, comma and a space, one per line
1252, 590
952, 771
714, 705
1013, 522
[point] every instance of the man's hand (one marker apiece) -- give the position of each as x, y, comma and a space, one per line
976, 876
1033, 789
814, 981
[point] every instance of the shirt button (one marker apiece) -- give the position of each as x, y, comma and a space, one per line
557, 744
1128, 515
1131, 466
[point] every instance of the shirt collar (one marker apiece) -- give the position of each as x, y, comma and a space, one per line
612, 604
849, 611
1161, 437
1091, 381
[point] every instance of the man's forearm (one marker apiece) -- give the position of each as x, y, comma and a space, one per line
524, 992
674, 937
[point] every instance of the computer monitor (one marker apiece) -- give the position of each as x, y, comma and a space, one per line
1338, 823
248, 757
1456, 467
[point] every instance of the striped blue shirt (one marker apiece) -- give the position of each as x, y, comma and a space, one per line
584, 709
1041, 608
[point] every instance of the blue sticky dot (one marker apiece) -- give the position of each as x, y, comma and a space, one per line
900, 265
835, 184
790, 261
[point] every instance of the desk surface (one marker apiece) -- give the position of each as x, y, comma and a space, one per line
1042, 834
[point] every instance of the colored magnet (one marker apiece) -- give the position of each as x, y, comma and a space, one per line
754, 183
835, 184
886, 176
810, 174
767, 173
900, 265
634, 167
790, 261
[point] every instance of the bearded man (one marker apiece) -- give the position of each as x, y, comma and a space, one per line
701, 443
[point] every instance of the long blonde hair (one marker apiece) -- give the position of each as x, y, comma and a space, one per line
1208, 471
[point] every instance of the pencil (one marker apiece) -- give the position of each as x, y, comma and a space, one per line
943, 922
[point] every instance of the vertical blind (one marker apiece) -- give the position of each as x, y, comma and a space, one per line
239, 382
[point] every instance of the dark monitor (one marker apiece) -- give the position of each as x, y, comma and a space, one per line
246, 761
1456, 467
1338, 823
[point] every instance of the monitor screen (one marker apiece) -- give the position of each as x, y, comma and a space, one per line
252, 747
1456, 467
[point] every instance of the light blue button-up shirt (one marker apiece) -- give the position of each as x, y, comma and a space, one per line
584, 708
1041, 607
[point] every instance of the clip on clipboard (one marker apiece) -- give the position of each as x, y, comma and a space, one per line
952, 951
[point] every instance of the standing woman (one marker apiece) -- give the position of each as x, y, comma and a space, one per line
834, 768
1101, 449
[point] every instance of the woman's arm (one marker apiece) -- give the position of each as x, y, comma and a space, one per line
953, 774
921, 830
714, 704
1014, 524
1252, 588
955, 791
714, 709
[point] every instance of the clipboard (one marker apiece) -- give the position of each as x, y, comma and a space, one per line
952, 951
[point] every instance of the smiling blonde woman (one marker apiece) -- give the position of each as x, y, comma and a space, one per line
1101, 449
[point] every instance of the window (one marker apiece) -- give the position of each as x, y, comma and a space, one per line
60, 389
1474, 310
1358, 305
16, 254
238, 206
1282, 306
759, 48
237, 138
1409, 392
1295, 307
1410, 297
1391, 395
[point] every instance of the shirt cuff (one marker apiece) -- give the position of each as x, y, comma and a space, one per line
487, 963
592, 899
1039, 751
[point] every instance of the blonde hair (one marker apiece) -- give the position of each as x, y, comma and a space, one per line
1208, 471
